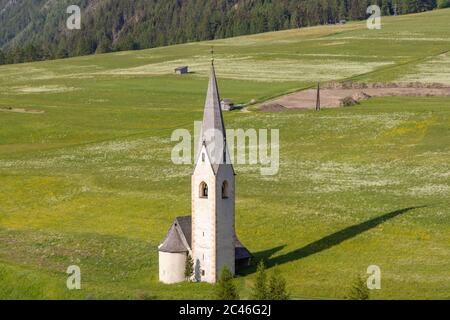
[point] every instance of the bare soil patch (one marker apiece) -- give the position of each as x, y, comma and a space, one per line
20, 110
336, 95
272, 107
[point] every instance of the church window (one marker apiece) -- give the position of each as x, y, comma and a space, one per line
203, 190
203, 272
203, 157
225, 191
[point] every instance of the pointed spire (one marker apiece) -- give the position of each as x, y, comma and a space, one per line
213, 133
212, 117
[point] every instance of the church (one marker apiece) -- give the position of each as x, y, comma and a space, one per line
208, 235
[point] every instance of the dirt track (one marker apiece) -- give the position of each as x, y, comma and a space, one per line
20, 110
331, 97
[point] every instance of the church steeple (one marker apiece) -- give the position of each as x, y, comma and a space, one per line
212, 117
213, 134
213, 194
208, 236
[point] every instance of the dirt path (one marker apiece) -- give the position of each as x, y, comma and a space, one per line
331, 97
20, 110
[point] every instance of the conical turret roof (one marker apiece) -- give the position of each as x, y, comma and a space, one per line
173, 243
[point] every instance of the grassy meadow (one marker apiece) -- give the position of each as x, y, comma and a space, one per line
89, 181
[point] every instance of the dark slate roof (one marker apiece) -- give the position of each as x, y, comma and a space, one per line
179, 239
240, 251
173, 242
185, 224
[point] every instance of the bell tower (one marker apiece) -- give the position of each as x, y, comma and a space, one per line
213, 194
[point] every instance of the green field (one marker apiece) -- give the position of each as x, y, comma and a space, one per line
90, 181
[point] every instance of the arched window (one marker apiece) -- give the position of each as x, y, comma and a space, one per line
203, 190
225, 191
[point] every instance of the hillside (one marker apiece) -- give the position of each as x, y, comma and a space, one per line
86, 176
35, 29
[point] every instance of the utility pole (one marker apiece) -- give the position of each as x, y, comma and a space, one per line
318, 97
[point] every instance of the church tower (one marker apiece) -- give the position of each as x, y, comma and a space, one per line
213, 194
208, 235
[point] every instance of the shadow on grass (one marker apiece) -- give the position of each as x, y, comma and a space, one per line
324, 243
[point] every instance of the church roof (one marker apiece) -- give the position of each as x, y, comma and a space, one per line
179, 239
184, 224
240, 251
212, 116
173, 243
213, 126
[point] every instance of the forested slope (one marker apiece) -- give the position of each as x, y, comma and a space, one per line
36, 29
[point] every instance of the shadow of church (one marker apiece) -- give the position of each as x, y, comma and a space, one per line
325, 243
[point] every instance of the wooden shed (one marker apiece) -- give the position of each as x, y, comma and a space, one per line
227, 104
182, 70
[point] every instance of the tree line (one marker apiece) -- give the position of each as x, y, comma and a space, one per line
273, 286
31, 31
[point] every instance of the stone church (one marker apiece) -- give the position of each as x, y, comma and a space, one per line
208, 235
